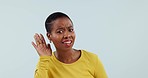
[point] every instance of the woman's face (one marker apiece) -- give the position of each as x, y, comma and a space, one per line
62, 34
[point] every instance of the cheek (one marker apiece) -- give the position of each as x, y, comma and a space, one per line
73, 35
56, 38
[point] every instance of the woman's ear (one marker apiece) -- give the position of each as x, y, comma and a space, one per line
49, 36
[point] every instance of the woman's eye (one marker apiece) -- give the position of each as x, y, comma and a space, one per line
71, 30
60, 31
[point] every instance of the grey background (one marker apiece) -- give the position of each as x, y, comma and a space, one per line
115, 30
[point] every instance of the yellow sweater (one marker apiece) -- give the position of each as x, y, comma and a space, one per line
87, 66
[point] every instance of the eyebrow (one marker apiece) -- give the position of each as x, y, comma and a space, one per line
70, 26
60, 27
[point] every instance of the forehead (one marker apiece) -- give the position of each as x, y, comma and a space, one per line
62, 22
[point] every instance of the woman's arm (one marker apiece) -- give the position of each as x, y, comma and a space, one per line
99, 69
42, 69
45, 53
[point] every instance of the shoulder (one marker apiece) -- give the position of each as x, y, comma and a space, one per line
89, 55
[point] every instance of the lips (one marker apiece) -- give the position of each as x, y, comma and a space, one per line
67, 43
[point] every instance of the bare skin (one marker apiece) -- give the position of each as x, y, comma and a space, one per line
63, 38
41, 47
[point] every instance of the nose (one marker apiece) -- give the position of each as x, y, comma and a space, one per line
67, 35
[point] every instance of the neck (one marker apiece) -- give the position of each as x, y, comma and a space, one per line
66, 56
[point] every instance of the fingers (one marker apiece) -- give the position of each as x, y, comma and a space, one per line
40, 45
42, 38
39, 39
34, 45
49, 47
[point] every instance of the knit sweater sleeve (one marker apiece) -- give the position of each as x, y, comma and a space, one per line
99, 69
42, 68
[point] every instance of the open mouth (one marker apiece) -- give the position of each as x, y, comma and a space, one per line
67, 42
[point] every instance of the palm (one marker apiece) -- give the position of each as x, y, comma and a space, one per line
40, 46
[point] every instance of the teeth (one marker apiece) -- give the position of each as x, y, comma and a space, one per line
68, 42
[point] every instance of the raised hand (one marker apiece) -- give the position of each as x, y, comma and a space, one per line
41, 47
